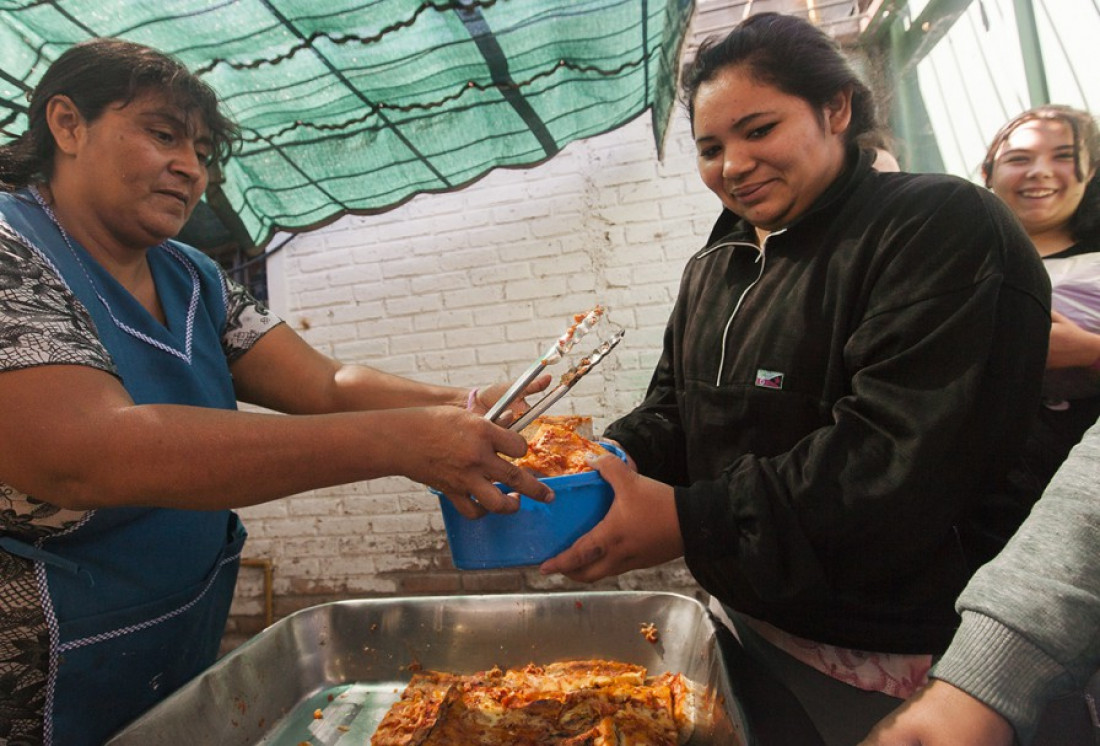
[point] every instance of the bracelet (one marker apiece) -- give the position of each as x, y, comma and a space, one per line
471, 398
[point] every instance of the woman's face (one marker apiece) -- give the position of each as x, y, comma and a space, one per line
139, 170
766, 154
1034, 172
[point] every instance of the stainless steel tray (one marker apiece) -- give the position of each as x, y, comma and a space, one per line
351, 659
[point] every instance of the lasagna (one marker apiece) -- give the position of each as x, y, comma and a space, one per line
574, 703
558, 445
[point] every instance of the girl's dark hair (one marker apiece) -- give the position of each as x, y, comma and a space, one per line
1085, 222
96, 74
790, 54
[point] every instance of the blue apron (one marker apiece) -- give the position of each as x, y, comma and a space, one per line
138, 596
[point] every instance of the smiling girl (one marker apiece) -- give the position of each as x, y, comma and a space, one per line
1043, 164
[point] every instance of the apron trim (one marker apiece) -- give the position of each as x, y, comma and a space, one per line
55, 654
57, 647
185, 353
110, 635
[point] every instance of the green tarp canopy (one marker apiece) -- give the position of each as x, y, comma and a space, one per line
356, 106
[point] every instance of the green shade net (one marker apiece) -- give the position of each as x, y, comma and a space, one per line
357, 106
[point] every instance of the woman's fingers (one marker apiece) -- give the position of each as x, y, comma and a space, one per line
489, 395
524, 482
580, 562
466, 506
464, 461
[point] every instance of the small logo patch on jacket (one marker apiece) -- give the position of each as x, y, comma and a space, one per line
769, 379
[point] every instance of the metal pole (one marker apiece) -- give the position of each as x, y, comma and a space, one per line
1034, 70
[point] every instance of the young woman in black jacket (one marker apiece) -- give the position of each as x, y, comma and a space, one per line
846, 375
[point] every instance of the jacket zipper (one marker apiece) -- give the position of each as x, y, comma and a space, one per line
761, 260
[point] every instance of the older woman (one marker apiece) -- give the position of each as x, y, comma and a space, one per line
846, 376
123, 356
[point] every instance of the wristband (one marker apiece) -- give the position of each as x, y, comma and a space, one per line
471, 398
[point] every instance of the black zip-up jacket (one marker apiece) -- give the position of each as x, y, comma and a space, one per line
838, 408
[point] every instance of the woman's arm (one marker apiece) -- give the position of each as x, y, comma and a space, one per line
1070, 345
74, 437
941, 715
651, 434
284, 373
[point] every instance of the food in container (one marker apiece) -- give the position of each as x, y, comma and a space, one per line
559, 445
537, 531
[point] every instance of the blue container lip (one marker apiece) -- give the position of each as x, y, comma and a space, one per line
565, 481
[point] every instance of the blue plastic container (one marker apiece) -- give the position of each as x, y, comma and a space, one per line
537, 531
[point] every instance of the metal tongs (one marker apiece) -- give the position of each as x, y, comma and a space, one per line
568, 380
581, 326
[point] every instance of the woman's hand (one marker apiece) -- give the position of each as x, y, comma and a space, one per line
1070, 345
941, 715
629, 459
483, 399
459, 454
641, 529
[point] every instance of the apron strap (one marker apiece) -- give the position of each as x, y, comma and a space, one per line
37, 554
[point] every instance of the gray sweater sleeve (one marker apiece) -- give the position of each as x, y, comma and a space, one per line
1031, 617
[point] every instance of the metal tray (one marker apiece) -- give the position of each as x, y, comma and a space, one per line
351, 659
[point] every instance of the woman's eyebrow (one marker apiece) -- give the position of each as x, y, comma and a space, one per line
180, 122
167, 114
739, 124
748, 119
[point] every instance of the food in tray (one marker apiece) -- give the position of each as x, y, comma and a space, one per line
573, 703
559, 445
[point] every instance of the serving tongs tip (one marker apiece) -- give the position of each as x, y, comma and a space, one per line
582, 324
568, 380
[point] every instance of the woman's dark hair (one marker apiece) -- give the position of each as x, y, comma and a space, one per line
1085, 222
878, 139
96, 74
790, 54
